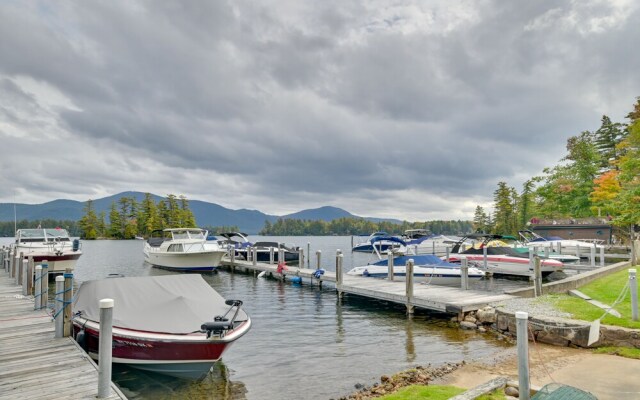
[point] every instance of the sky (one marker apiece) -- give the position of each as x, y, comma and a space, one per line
412, 110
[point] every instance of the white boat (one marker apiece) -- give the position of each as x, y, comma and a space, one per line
571, 246
427, 268
182, 249
423, 243
383, 242
53, 245
500, 260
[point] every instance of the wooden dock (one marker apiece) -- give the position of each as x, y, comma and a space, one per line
34, 364
433, 297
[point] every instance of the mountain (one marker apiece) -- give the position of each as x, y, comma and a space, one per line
207, 214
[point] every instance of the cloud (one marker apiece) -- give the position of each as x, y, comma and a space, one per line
392, 109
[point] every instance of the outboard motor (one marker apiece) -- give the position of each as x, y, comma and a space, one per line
221, 324
76, 244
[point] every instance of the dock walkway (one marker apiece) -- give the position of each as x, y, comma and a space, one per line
34, 364
433, 297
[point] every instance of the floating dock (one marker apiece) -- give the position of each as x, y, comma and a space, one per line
34, 364
432, 297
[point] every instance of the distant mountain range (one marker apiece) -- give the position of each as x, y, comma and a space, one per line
207, 214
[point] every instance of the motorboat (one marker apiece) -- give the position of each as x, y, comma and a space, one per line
427, 268
176, 325
182, 249
519, 247
532, 239
383, 241
424, 243
500, 260
240, 242
51, 244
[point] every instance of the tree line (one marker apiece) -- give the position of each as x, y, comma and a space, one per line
598, 177
358, 226
7, 229
128, 218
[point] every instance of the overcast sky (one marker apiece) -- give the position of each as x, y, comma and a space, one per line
401, 109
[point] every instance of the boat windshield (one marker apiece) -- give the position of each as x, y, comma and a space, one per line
31, 235
188, 234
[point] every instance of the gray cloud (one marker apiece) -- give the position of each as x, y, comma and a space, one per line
388, 109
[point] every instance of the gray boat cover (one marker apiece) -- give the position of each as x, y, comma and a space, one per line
176, 304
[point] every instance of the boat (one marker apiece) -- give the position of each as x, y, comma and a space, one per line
427, 268
182, 249
240, 242
383, 242
51, 244
532, 239
425, 243
176, 325
500, 260
518, 246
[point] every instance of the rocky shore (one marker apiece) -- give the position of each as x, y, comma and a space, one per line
388, 384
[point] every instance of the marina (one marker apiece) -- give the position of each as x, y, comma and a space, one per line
302, 329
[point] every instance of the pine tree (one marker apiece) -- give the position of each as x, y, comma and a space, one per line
89, 222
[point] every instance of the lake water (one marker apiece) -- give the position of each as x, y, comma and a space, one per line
304, 343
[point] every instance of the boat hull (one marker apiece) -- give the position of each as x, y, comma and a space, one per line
188, 356
57, 262
192, 261
436, 276
508, 265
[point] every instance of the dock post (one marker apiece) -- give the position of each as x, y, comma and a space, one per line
68, 295
484, 258
578, 251
546, 251
232, 257
105, 348
271, 256
522, 319
14, 266
390, 265
409, 287
300, 257
592, 255
309, 255
44, 284
281, 255
318, 258
254, 256
59, 306
37, 296
339, 259
447, 252
633, 289
19, 270
30, 272
602, 256
464, 273
25, 277
537, 276
249, 254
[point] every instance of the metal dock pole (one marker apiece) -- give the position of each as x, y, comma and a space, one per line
537, 276
633, 289
339, 258
105, 347
522, 319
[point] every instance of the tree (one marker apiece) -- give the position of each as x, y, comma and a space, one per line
481, 221
605, 191
89, 222
606, 140
505, 216
116, 224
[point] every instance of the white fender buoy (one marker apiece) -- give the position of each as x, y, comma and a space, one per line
262, 274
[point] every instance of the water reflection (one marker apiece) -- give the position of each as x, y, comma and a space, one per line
409, 344
138, 384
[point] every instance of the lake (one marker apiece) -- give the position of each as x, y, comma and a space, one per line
304, 343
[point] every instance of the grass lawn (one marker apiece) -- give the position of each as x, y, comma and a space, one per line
434, 392
605, 290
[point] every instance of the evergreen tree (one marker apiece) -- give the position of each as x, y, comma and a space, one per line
606, 140
89, 222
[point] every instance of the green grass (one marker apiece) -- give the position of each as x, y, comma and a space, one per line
434, 392
619, 351
606, 290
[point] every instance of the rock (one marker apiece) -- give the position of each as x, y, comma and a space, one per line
358, 386
470, 318
503, 322
511, 391
384, 378
487, 315
468, 325
481, 329
550, 338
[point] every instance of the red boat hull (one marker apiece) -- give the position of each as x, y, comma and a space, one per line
185, 356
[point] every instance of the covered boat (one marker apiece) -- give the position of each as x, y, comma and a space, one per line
377, 241
427, 268
172, 324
